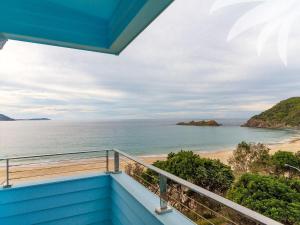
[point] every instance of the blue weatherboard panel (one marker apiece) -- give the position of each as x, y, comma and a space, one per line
114, 199
78, 201
50, 189
99, 218
73, 198
96, 25
126, 206
130, 200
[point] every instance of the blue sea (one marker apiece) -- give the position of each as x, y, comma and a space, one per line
138, 137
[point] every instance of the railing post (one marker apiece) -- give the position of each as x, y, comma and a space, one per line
7, 185
164, 208
107, 161
116, 162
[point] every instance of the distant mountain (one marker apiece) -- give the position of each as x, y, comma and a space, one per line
40, 119
285, 114
33, 119
6, 118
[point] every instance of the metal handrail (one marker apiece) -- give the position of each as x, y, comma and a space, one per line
163, 178
293, 167
8, 165
250, 214
54, 154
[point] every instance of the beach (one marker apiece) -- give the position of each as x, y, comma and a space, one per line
49, 170
291, 145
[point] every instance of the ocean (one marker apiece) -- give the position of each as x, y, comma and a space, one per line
137, 137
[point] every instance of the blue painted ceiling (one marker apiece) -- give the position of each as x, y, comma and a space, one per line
96, 25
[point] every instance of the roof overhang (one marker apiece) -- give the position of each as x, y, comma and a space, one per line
96, 25
3, 40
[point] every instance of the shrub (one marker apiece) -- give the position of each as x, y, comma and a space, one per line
250, 157
281, 158
277, 198
207, 173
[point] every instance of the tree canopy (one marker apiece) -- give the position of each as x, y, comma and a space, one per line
277, 198
282, 161
207, 173
284, 114
250, 157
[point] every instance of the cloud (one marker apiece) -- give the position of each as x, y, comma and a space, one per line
180, 66
255, 106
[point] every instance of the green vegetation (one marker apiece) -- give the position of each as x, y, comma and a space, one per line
263, 183
280, 160
277, 198
255, 158
250, 157
207, 173
212, 123
268, 190
284, 114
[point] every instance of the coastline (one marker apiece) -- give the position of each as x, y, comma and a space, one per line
78, 167
291, 145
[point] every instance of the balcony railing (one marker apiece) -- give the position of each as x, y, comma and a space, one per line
14, 170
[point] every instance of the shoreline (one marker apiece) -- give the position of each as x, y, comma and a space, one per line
78, 167
290, 144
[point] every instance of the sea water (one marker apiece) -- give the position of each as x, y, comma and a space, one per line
137, 137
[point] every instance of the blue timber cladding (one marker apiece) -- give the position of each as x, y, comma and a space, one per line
97, 25
79, 201
133, 204
114, 199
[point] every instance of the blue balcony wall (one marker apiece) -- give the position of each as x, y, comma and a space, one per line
125, 205
78, 201
114, 199
131, 204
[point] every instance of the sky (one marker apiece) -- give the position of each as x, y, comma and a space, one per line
181, 66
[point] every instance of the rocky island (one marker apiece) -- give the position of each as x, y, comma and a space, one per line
211, 123
6, 118
285, 114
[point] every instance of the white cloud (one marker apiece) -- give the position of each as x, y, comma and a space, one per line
181, 65
255, 107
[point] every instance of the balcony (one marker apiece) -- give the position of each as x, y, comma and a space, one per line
94, 199
93, 188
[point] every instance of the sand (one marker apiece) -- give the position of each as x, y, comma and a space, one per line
292, 145
28, 173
